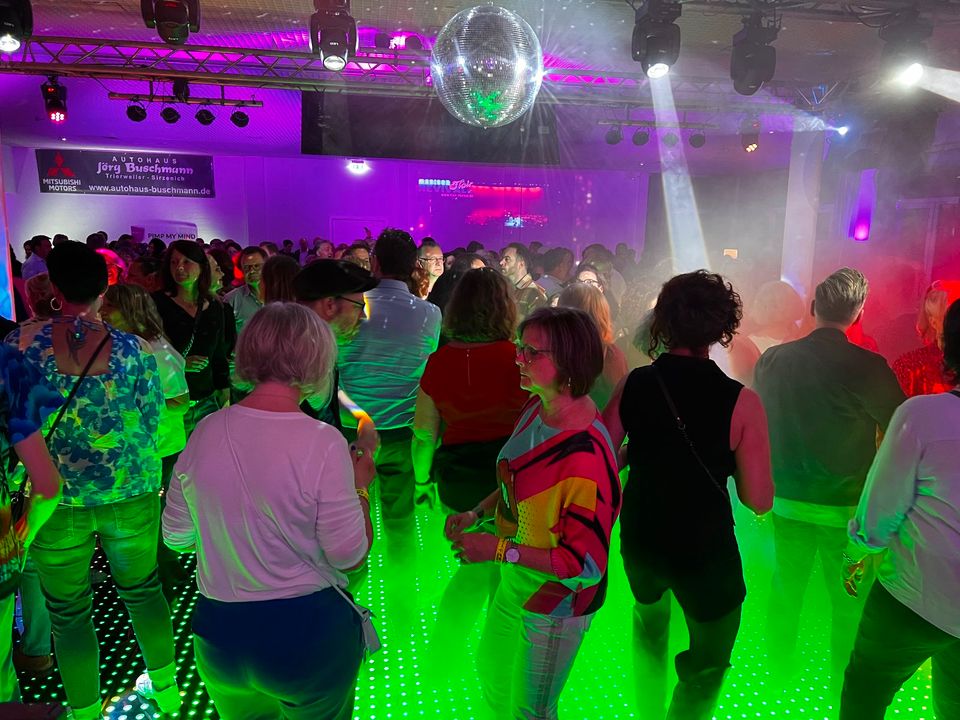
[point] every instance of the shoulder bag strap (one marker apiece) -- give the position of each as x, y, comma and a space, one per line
682, 427
12, 460
236, 461
196, 324
955, 392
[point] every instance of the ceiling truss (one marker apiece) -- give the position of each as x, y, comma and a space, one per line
371, 72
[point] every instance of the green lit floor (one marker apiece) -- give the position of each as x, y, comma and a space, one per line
401, 682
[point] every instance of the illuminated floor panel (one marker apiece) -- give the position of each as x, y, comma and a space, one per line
401, 682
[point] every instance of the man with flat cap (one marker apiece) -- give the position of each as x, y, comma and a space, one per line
334, 290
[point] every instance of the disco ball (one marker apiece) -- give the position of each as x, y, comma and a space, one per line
487, 66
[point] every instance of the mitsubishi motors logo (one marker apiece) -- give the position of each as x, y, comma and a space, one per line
60, 168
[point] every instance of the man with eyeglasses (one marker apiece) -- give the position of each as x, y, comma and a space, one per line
248, 298
334, 290
431, 260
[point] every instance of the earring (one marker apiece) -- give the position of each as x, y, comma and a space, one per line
55, 304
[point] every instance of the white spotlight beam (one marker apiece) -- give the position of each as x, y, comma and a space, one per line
687, 246
945, 83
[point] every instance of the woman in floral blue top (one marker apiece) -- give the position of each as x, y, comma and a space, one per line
24, 403
106, 448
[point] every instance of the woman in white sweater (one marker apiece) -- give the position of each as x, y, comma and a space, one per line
910, 509
276, 506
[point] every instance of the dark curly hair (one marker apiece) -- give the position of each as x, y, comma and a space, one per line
951, 340
694, 310
481, 308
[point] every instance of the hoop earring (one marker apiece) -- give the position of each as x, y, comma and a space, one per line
55, 304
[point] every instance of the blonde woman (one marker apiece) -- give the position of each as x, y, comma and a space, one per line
592, 301
276, 507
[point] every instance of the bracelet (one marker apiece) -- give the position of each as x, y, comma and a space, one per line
501, 550
364, 493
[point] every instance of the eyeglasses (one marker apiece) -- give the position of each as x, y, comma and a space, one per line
248, 268
593, 283
528, 353
437, 259
359, 304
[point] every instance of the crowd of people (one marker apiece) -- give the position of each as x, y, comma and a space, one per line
254, 405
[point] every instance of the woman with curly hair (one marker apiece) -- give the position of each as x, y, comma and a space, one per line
688, 428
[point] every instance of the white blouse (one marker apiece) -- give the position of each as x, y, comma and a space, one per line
269, 502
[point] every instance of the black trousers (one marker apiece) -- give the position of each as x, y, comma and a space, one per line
892, 642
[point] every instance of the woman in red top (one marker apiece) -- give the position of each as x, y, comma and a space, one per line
470, 394
469, 400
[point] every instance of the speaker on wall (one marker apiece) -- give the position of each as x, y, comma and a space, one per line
420, 129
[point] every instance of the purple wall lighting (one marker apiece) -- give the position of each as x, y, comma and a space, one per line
862, 216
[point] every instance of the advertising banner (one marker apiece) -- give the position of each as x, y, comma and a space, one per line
105, 172
166, 230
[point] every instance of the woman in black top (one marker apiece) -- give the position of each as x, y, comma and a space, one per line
676, 526
196, 327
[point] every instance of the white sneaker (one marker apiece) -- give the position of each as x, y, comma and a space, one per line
168, 699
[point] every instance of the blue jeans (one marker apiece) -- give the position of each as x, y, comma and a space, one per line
9, 689
295, 658
525, 659
36, 619
62, 552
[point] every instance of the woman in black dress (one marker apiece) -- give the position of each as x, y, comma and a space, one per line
689, 427
196, 327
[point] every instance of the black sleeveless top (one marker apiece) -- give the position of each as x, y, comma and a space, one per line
670, 505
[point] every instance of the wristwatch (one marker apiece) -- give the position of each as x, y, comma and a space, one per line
512, 555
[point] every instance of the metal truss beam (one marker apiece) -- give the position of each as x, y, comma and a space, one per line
371, 72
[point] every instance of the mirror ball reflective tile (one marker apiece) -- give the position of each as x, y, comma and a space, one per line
400, 682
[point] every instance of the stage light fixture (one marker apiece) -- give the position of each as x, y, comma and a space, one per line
750, 134
754, 60
905, 49
137, 113
656, 38
170, 115
641, 137
173, 19
205, 117
670, 139
413, 42
55, 100
614, 135
843, 130
16, 24
698, 140
381, 41
333, 33
240, 119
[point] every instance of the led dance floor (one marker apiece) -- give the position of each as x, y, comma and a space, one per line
398, 682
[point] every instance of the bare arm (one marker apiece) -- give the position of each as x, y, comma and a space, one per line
611, 418
751, 445
426, 434
46, 486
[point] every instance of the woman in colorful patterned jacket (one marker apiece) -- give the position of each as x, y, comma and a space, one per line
558, 499
106, 449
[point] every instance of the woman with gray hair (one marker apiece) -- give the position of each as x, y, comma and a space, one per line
276, 506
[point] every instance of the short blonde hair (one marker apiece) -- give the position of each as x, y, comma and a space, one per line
592, 301
288, 344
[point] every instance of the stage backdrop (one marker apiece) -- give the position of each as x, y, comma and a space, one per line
264, 198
